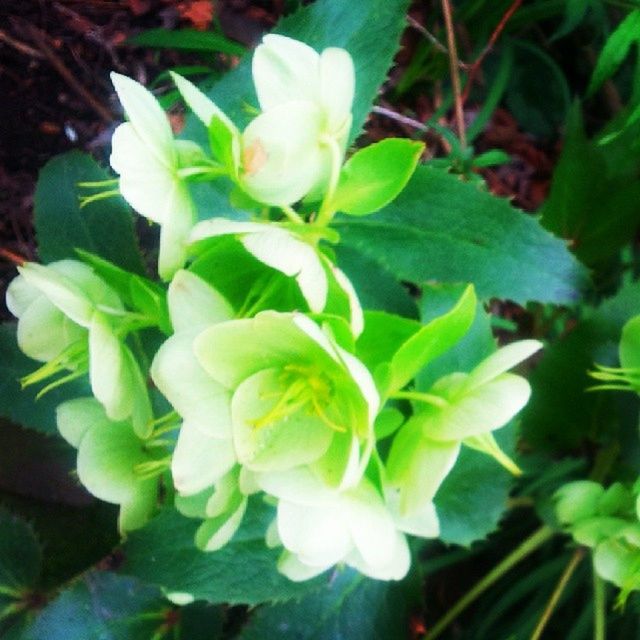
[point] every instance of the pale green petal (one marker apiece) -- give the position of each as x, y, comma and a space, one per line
222, 227
109, 371
318, 535
280, 250
195, 304
146, 117
577, 500
614, 561
395, 569
141, 411
194, 506
198, 398
232, 351
480, 410
299, 486
285, 69
92, 286
226, 496
214, 533
370, 524
422, 522
282, 158
20, 295
146, 183
199, 460
75, 417
502, 360
337, 87
417, 466
291, 567
44, 331
356, 313
135, 513
297, 439
591, 531
107, 456
365, 382
200, 104
174, 234
60, 291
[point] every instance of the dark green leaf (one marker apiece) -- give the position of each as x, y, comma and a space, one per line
349, 607
375, 175
103, 605
444, 229
244, 571
595, 207
104, 227
188, 39
19, 405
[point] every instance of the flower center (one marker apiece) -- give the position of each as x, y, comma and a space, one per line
305, 389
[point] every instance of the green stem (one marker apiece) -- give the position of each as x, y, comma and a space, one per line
291, 214
327, 212
557, 593
533, 542
599, 607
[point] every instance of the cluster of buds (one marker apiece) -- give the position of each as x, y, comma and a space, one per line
266, 375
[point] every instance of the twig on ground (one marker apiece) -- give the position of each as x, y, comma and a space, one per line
20, 46
40, 39
454, 64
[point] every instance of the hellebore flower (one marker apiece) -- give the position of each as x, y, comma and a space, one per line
462, 408
295, 146
66, 318
151, 164
320, 527
287, 252
113, 462
297, 397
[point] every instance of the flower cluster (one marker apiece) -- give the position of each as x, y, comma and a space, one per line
607, 521
252, 369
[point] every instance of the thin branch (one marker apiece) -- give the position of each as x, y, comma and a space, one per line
398, 117
20, 46
40, 39
454, 64
557, 593
428, 35
476, 64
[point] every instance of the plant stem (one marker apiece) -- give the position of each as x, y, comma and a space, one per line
326, 208
599, 607
535, 540
291, 214
418, 396
454, 64
557, 593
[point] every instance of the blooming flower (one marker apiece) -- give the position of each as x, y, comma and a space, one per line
319, 527
66, 316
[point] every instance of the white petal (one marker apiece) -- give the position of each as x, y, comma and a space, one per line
395, 569
222, 227
280, 250
75, 417
337, 86
146, 117
356, 313
215, 533
199, 460
195, 304
282, 158
502, 360
20, 295
422, 522
285, 69
290, 566
194, 395
298, 486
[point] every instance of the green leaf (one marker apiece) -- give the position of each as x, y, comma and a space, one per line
375, 175
432, 340
188, 39
350, 606
594, 206
20, 560
360, 27
102, 605
20, 405
103, 227
440, 228
244, 571
473, 496
615, 50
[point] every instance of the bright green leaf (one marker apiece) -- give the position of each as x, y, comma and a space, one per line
375, 175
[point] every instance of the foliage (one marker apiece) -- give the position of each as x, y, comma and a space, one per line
301, 386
